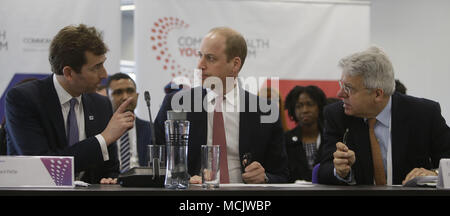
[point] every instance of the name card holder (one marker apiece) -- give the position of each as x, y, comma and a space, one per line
36, 171
444, 174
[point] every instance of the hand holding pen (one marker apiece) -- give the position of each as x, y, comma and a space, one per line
344, 158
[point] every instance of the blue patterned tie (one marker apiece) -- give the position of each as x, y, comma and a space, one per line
72, 125
124, 153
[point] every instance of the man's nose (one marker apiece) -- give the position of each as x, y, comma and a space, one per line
125, 96
103, 73
201, 63
341, 93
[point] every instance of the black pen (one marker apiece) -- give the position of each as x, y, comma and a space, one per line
344, 139
246, 160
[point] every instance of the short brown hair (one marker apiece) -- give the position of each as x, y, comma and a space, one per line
68, 47
235, 45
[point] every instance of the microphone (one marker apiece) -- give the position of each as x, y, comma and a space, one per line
152, 128
144, 176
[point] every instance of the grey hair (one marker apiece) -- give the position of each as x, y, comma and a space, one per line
373, 66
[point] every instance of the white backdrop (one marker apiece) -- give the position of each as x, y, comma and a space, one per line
289, 40
416, 36
27, 28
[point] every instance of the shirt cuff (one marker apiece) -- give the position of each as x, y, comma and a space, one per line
347, 180
103, 146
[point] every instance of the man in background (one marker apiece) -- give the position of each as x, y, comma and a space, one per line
133, 144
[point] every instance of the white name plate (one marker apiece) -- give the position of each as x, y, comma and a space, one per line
444, 174
36, 171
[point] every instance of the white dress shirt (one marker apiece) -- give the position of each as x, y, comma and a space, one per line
230, 107
64, 99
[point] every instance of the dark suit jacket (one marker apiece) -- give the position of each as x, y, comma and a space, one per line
263, 140
35, 126
419, 136
298, 163
143, 137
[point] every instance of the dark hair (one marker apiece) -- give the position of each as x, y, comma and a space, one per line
118, 76
68, 47
399, 87
314, 92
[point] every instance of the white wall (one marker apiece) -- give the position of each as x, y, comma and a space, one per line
127, 36
414, 33
416, 36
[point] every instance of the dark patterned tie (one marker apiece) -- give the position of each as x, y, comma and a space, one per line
125, 153
220, 140
72, 126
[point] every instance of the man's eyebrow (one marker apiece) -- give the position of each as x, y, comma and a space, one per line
347, 84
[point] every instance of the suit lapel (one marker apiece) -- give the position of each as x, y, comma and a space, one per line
141, 137
244, 119
198, 121
399, 137
89, 117
54, 112
361, 145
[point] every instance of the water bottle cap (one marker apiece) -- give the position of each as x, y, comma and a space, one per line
176, 115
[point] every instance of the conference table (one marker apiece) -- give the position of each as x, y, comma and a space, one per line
229, 190
233, 199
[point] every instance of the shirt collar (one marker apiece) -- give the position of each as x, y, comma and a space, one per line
230, 97
384, 117
63, 95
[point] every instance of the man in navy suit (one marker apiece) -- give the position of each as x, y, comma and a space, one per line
121, 87
62, 115
376, 136
242, 129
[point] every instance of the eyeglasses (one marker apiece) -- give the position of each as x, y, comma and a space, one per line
347, 89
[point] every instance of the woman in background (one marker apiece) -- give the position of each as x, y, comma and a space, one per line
305, 106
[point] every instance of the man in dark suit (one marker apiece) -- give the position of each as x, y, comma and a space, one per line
375, 135
241, 128
121, 87
62, 115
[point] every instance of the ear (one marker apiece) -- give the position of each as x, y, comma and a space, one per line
379, 95
68, 72
236, 65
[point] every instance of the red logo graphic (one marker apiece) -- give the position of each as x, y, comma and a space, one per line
158, 39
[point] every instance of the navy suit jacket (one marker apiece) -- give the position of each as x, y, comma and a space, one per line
298, 162
265, 141
35, 126
143, 136
419, 136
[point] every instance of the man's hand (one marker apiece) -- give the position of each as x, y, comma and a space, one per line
254, 173
344, 158
195, 180
119, 123
108, 181
418, 172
